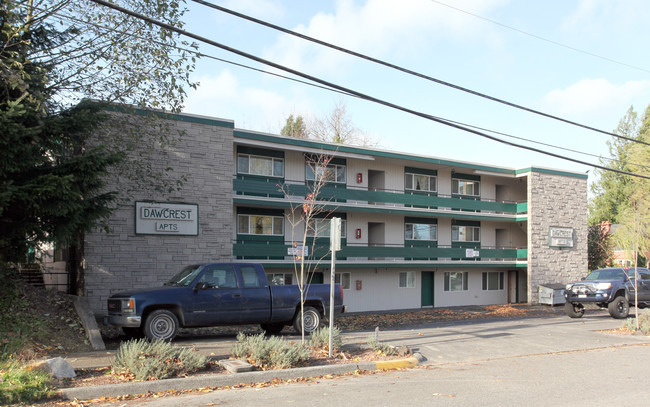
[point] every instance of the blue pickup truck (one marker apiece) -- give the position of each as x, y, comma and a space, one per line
219, 294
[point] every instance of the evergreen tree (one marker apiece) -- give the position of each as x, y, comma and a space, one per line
51, 186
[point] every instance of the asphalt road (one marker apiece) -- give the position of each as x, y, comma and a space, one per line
533, 362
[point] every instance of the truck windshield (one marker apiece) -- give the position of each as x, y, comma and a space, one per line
186, 276
607, 274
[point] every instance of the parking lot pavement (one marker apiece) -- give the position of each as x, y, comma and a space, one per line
472, 341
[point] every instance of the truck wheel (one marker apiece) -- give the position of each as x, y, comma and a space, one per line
574, 310
619, 308
161, 324
272, 329
312, 320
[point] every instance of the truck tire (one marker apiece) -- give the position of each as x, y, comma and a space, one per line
272, 329
161, 325
619, 308
574, 310
312, 320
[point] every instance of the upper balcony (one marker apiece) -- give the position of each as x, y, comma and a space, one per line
283, 193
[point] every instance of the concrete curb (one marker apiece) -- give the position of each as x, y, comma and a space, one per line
197, 382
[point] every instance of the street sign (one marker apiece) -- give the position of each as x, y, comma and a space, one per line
335, 234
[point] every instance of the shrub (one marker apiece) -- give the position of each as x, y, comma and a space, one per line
379, 347
644, 323
320, 339
156, 360
270, 353
22, 385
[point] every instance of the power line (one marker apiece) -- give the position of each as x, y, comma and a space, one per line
559, 44
408, 71
203, 55
350, 91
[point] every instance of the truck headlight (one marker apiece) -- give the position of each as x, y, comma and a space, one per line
603, 286
128, 306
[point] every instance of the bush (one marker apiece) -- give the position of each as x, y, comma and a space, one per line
22, 385
156, 360
644, 323
320, 339
379, 347
270, 353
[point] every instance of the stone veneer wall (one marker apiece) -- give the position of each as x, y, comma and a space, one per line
555, 200
122, 260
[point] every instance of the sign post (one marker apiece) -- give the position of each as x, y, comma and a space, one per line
335, 245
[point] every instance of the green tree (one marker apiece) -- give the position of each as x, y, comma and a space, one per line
599, 243
611, 188
51, 185
294, 127
337, 127
633, 234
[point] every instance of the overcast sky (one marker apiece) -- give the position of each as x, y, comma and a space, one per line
600, 69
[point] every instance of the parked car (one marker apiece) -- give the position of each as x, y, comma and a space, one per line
219, 294
611, 288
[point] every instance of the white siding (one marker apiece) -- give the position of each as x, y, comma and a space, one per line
379, 291
473, 296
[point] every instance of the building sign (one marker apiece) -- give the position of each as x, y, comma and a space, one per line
158, 218
471, 253
560, 236
302, 251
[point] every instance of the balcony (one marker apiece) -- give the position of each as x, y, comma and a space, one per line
358, 255
251, 191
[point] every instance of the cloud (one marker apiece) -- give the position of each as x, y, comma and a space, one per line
253, 108
605, 16
266, 9
378, 28
593, 97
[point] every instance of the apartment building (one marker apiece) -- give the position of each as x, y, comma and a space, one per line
417, 230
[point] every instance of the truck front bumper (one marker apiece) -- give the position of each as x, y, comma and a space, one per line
591, 297
130, 321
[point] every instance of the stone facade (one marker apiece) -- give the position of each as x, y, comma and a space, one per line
555, 200
122, 260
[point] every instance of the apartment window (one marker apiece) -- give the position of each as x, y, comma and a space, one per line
493, 280
328, 173
321, 228
465, 233
420, 231
343, 279
420, 182
260, 165
407, 279
260, 225
465, 187
456, 281
280, 278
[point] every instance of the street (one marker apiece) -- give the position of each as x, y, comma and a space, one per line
531, 361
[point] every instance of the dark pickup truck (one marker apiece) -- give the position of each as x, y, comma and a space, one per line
219, 294
611, 288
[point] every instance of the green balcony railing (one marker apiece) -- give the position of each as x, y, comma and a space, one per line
272, 250
272, 189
